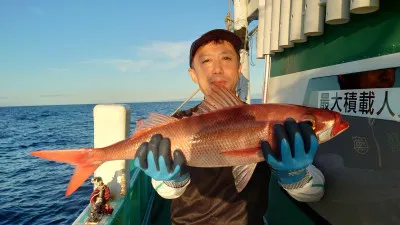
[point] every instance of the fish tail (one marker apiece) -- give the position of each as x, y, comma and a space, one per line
81, 158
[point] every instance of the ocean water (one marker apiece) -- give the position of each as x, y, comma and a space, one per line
32, 189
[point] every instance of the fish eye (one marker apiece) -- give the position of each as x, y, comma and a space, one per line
311, 120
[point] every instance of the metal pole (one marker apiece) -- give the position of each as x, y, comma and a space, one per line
267, 73
188, 99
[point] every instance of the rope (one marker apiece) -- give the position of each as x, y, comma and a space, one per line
228, 17
228, 22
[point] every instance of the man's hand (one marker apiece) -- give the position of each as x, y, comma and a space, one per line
296, 145
153, 158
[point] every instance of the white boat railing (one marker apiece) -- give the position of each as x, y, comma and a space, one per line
112, 124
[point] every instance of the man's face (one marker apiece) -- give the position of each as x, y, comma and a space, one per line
383, 78
216, 63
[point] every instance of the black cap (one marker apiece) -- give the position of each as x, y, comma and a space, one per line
215, 35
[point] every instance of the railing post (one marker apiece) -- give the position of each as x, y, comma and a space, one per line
112, 124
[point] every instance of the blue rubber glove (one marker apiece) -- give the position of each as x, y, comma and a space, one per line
163, 168
296, 147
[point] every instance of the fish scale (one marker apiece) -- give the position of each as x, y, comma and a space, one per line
232, 134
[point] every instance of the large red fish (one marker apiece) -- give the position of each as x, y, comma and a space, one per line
225, 132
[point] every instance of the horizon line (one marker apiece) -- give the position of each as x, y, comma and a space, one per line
99, 103
256, 97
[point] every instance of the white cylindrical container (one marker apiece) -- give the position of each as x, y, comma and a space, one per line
111, 124
260, 29
276, 12
314, 18
337, 11
267, 27
284, 31
296, 22
363, 6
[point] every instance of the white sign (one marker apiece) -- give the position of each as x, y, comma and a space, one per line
380, 103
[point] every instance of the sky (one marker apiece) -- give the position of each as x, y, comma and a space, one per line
93, 52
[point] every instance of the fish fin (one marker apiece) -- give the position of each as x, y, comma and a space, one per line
78, 157
157, 118
242, 152
71, 156
139, 125
81, 174
218, 99
242, 175
153, 120
196, 113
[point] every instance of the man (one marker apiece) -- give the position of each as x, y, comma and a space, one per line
208, 195
382, 78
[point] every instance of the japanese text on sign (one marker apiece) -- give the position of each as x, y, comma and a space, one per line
382, 103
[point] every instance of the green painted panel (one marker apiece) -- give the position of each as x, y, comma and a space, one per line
139, 197
281, 210
365, 36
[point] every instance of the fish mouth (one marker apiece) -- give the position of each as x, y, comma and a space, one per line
340, 126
